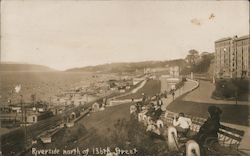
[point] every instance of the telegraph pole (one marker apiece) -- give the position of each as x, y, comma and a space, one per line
21, 103
25, 128
23, 109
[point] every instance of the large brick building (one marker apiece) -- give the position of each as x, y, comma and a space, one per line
232, 57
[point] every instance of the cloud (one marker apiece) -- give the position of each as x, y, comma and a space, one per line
211, 17
196, 21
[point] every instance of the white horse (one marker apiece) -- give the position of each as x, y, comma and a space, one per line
132, 109
157, 130
166, 114
140, 117
159, 123
145, 119
149, 120
153, 128
150, 128
192, 148
173, 144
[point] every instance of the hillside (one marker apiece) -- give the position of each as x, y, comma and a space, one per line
129, 66
19, 67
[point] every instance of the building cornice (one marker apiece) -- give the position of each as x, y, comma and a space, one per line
223, 39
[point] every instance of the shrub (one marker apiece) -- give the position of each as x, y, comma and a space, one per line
230, 88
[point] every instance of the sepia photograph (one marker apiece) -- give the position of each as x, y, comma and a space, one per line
124, 78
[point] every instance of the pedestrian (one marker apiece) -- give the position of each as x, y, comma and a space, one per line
173, 94
138, 107
133, 109
160, 102
182, 124
165, 94
151, 110
157, 112
211, 126
159, 123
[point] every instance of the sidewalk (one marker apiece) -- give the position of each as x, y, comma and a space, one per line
189, 85
203, 95
132, 91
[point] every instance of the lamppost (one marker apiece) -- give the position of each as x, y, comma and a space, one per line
223, 86
236, 92
236, 96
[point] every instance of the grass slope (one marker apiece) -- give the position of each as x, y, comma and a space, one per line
151, 88
110, 128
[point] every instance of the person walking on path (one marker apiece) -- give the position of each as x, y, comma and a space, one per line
173, 94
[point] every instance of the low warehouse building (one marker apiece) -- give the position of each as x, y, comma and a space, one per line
35, 117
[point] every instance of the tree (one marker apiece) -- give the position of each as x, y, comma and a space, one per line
193, 52
203, 64
192, 57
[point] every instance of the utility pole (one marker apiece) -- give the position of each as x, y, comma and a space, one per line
21, 103
23, 109
25, 128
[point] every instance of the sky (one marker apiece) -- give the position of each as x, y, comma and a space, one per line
64, 34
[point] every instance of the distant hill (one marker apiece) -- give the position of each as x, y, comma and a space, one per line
129, 66
24, 67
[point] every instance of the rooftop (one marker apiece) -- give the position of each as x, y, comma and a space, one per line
223, 39
242, 37
229, 38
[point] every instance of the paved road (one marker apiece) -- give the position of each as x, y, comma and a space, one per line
233, 115
203, 95
189, 85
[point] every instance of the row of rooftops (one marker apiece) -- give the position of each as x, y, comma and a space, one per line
230, 38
